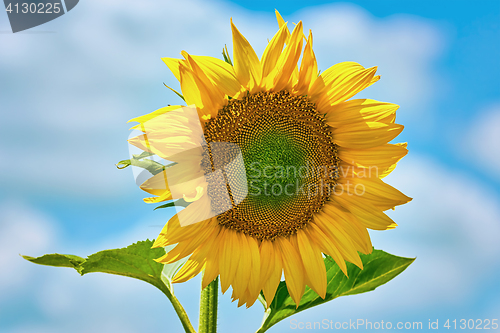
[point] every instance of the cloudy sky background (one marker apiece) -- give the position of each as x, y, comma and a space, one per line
68, 87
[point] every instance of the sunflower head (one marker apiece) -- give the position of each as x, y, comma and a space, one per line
278, 165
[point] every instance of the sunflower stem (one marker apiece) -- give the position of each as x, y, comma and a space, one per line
181, 313
208, 308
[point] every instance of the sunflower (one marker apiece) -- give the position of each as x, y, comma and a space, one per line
313, 162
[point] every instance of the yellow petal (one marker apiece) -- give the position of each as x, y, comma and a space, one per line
287, 61
379, 170
228, 259
207, 248
295, 74
377, 159
271, 284
385, 172
190, 90
370, 216
351, 226
374, 190
251, 298
271, 265
281, 21
214, 94
186, 182
212, 262
211, 269
173, 121
361, 110
173, 233
366, 135
338, 236
294, 270
266, 259
273, 52
196, 212
313, 263
184, 186
165, 196
223, 265
308, 68
149, 116
332, 77
188, 271
344, 87
240, 282
162, 145
242, 299
186, 247
246, 63
254, 283
220, 73
173, 64
156, 185
325, 244
195, 92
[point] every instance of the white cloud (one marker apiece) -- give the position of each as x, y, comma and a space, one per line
452, 223
481, 143
403, 47
452, 199
23, 230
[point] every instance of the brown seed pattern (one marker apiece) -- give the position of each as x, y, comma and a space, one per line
243, 123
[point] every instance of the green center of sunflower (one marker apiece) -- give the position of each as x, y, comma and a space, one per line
290, 162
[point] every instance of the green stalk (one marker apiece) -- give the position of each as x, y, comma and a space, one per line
208, 308
181, 313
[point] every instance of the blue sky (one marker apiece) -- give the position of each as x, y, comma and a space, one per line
67, 90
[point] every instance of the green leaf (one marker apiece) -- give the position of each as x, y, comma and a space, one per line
136, 261
379, 267
61, 260
139, 161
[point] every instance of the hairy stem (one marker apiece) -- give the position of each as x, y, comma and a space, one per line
181, 313
208, 308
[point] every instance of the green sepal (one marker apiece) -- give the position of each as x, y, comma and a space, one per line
175, 91
180, 202
225, 54
139, 161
